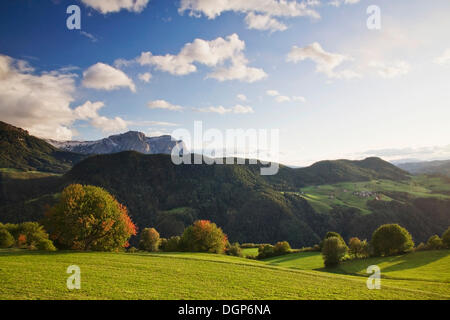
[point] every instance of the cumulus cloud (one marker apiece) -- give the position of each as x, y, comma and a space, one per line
89, 111
213, 8
39, 103
338, 3
391, 70
281, 98
238, 71
214, 53
145, 76
237, 109
260, 13
272, 93
326, 62
444, 59
104, 77
264, 22
242, 97
163, 104
108, 6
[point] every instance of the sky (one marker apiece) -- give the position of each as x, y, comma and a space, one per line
334, 84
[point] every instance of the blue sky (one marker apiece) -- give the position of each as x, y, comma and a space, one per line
343, 91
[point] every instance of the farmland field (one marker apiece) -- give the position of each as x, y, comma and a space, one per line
38, 275
356, 194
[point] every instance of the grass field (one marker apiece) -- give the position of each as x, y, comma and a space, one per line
39, 275
323, 197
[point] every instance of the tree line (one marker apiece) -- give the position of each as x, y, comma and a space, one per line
88, 218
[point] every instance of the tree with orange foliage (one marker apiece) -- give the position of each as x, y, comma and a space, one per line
204, 236
89, 218
150, 240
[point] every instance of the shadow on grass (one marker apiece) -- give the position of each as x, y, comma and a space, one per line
397, 263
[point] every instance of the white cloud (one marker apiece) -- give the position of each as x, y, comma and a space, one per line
263, 22
392, 70
162, 104
214, 53
284, 8
338, 3
444, 59
104, 77
107, 6
272, 93
326, 62
39, 103
89, 36
238, 71
299, 99
237, 109
281, 98
89, 111
145, 76
242, 97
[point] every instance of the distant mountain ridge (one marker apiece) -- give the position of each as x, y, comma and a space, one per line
129, 141
441, 167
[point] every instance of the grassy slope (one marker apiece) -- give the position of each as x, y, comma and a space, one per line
425, 270
322, 198
183, 276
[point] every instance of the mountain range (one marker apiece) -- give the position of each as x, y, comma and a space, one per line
129, 141
248, 206
440, 167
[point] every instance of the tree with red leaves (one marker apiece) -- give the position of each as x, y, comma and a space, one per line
89, 218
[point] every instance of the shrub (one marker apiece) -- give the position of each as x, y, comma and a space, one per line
6, 239
26, 234
446, 238
249, 245
89, 218
391, 239
282, 248
132, 250
204, 236
234, 250
333, 251
421, 247
266, 251
45, 245
434, 243
365, 249
171, 245
330, 234
150, 240
355, 246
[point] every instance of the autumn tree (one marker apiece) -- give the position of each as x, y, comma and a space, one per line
204, 236
89, 218
149, 240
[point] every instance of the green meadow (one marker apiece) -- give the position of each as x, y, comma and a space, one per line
42, 275
324, 197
